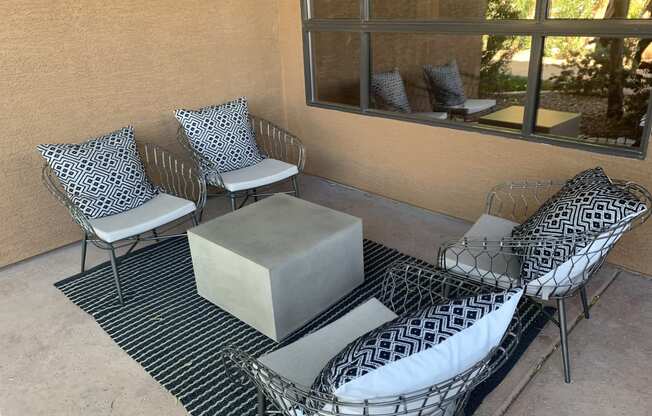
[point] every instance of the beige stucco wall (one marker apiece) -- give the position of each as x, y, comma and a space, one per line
73, 69
444, 170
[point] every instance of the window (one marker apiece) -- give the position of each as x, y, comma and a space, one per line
573, 73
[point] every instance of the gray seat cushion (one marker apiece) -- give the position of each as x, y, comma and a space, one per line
303, 360
502, 270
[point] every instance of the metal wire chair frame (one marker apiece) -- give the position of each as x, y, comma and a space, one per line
166, 172
273, 142
516, 201
403, 283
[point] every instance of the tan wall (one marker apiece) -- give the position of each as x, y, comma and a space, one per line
440, 169
73, 69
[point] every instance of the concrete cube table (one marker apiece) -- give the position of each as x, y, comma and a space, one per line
277, 263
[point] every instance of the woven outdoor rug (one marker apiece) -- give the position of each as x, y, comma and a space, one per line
177, 336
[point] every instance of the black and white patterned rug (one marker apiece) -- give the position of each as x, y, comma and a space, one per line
177, 336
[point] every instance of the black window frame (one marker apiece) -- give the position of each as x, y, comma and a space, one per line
537, 28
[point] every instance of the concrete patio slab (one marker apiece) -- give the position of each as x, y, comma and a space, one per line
57, 361
612, 371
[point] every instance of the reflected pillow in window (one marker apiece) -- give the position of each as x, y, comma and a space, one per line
388, 91
445, 84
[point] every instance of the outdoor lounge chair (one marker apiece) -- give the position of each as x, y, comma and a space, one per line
281, 377
284, 159
489, 254
181, 194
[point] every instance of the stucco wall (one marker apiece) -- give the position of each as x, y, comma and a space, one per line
74, 69
440, 169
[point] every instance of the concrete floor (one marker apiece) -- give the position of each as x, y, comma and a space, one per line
55, 360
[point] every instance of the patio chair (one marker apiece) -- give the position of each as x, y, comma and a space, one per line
284, 159
181, 194
488, 253
282, 377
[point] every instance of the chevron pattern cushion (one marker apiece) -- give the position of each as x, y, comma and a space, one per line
102, 176
388, 90
587, 205
445, 84
222, 134
417, 351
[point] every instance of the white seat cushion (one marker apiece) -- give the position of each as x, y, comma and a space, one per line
438, 115
160, 210
264, 173
475, 105
303, 360
502, 270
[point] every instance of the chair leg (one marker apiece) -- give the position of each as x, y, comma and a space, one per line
155, 234
585, 302
262, 403
233, 201
84, 244
195, 220
116, 276
563, 331
255, 191
295, 185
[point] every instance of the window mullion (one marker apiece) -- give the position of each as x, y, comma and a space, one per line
533, 83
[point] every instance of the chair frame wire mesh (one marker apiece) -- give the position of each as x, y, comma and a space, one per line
166, 172
407, 287
272, 141
516, 201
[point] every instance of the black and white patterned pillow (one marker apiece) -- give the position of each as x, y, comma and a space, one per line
445, 84
222, 134
388, 90
102, 176
588, 204
426, 329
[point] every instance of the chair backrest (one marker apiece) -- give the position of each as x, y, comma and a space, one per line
406, 287
590, 252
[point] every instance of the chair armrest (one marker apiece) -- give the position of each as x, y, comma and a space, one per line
277, 143
53, 185
516, 201
173, 175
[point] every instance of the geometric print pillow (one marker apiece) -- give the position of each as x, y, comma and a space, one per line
222, 134
389, 90
102, 176
587, 205
417, 351
445, 84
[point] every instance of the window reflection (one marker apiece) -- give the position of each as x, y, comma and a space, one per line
337, 67
423, 75
600, 9
600, 86
452, 9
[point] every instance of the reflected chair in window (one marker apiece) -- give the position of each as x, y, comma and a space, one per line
284, 158
390, 93
181, 195
446, 92
490, 255
282, 381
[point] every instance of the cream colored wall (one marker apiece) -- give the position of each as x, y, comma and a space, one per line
440, 169
72, 69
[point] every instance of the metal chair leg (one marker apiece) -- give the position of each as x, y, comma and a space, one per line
255, 191
295, 185
155, 234
585, 302
195, 221
232, 198
563, 331
262, 403
116, 276
84, 244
